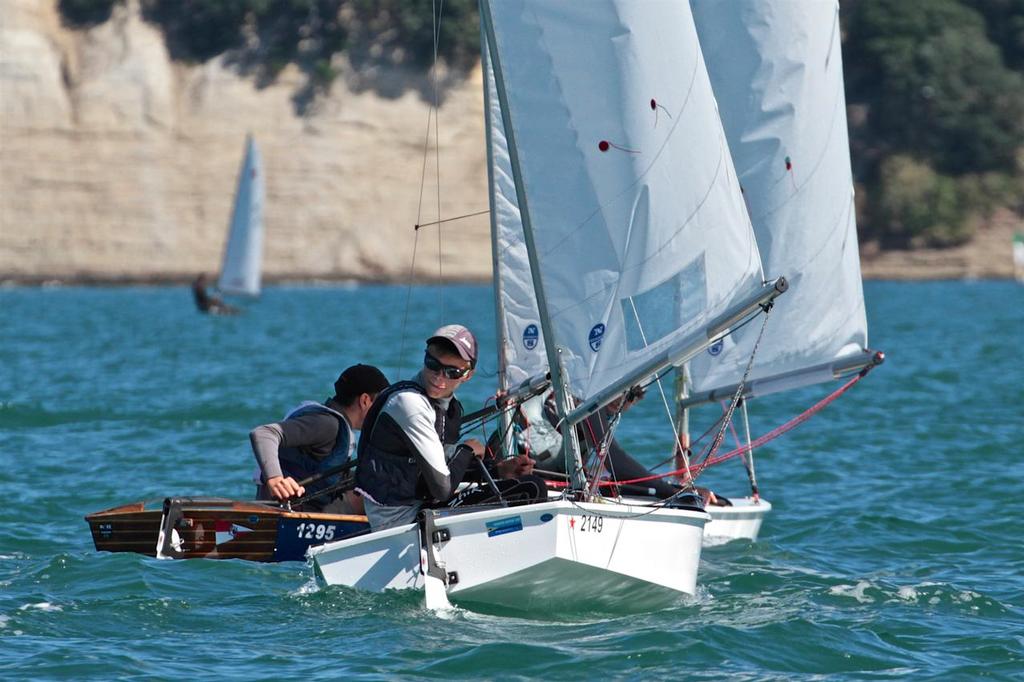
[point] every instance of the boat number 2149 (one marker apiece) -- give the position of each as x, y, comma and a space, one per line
316, 531
591, 524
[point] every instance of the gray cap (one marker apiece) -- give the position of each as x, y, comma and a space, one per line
458, 336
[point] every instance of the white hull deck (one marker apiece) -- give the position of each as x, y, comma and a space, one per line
741, 521
547, 556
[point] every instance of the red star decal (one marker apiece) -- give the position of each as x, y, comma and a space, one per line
572, 522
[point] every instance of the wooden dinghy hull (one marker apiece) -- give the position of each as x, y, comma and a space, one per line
217, 528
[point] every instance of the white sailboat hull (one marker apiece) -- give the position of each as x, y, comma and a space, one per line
741, 521
543, 556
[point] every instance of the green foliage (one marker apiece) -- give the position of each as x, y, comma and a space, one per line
197, 30
403, 30
303, 32
1004, 21
936, 86
84, 13
918, 206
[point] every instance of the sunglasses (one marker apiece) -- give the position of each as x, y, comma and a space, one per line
435, 365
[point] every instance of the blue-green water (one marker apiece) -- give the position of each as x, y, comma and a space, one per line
895, 548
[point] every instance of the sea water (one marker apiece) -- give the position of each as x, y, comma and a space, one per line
896, 546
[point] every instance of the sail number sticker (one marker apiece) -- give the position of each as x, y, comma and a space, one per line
316, 531
589, 524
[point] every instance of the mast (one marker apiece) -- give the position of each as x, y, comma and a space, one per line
682, 423
570, 444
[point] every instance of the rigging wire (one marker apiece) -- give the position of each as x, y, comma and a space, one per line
764, 438
435, 12
720, 436
431, 117
657, 379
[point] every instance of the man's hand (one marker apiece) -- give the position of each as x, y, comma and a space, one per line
284, 488
476, 446
514, 467
707, 496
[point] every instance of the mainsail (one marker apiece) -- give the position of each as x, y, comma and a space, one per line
639, 232
521, 350
240, 270
777, 74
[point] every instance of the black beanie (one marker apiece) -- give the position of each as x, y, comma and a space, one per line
356, 380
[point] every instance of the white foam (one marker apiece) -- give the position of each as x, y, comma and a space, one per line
309, 587
856, 591
907, 593
41, 606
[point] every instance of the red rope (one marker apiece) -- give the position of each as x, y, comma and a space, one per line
696, 469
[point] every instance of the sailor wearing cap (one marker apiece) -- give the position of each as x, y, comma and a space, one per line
409, 454
315, 437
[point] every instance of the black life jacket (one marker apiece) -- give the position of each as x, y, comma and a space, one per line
387, 469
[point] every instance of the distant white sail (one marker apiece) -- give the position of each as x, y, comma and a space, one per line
243, 256
777, 72
638, 222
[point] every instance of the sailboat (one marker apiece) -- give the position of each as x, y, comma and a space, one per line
243, 254
617, 175
777, 74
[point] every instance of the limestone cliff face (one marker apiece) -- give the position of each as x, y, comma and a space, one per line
117, 163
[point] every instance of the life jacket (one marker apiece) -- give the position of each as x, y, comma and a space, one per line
387, 469
300, 463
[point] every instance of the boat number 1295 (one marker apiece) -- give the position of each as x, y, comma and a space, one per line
592, 524
316, 531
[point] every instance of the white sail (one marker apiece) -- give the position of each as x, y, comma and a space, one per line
243, 255
777, 73
521, 350
629, 185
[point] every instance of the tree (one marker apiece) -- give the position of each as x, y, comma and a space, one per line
1004, 20
936, 86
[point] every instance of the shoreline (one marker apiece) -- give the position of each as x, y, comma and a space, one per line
877, 275
988, 256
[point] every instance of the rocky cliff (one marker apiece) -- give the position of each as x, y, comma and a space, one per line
117, 163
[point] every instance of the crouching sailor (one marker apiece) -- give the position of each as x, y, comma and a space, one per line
410, 455
314, 438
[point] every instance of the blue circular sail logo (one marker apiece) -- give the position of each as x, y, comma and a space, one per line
716, 347
531, 335
596, 337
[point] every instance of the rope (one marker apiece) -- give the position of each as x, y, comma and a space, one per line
720, 436
757, 442
448, 220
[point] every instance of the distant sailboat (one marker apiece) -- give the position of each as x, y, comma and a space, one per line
777, 73
240, 271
